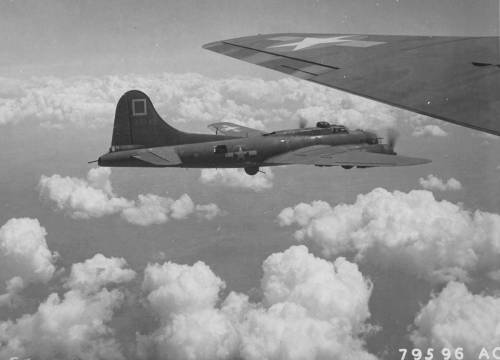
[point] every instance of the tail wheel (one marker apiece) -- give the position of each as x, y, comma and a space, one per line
252, 170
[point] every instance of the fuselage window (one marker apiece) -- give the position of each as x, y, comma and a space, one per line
339, 130
220, 149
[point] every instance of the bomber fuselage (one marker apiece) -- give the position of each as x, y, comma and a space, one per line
219, 151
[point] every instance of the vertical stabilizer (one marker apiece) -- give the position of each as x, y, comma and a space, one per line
137, 124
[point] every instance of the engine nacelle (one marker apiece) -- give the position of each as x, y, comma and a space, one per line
252, 170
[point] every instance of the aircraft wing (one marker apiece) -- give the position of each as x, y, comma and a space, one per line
230, 129
455, 79
324, 155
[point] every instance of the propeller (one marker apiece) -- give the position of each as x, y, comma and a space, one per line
392, 137
302, 122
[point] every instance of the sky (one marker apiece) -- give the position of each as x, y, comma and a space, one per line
295, 263
90, 37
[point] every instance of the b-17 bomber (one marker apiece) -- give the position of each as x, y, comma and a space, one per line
141, 138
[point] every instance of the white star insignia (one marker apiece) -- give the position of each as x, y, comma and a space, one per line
345, 40
308, 42
228, 128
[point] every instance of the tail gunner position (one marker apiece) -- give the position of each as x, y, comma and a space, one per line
142, 139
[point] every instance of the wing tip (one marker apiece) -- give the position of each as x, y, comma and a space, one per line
210, 45
411, 161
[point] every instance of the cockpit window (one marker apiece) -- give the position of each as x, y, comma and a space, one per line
322, 124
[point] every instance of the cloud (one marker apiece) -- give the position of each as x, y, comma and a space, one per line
13, 286
98, 271
24, 256
429, 130
303, 213
89, 101
184, 298
312, 309
456, 318
434, 183
174, 288
75, 325
237, 178
330, 282
94, 198
208, 211
182, 207
83, 198
287, 331
436, 240
153, 209
149, 209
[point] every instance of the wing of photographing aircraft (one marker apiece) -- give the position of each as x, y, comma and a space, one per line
455, 79
230, 129
324, 155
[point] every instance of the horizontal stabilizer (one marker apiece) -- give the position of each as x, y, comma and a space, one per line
159, 157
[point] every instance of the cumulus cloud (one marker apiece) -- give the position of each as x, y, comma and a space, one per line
429, 130
208, 211
174, 288
24, 256
88, 101
432, 182
149, 209
82, 198
94, 197
456, 318
13, 286
237, 178
76, 324
98, 271
436, 240
184, 297
70, 327
154, 209
312, 309
331, 283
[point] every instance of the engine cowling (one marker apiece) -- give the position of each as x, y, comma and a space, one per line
252, 170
